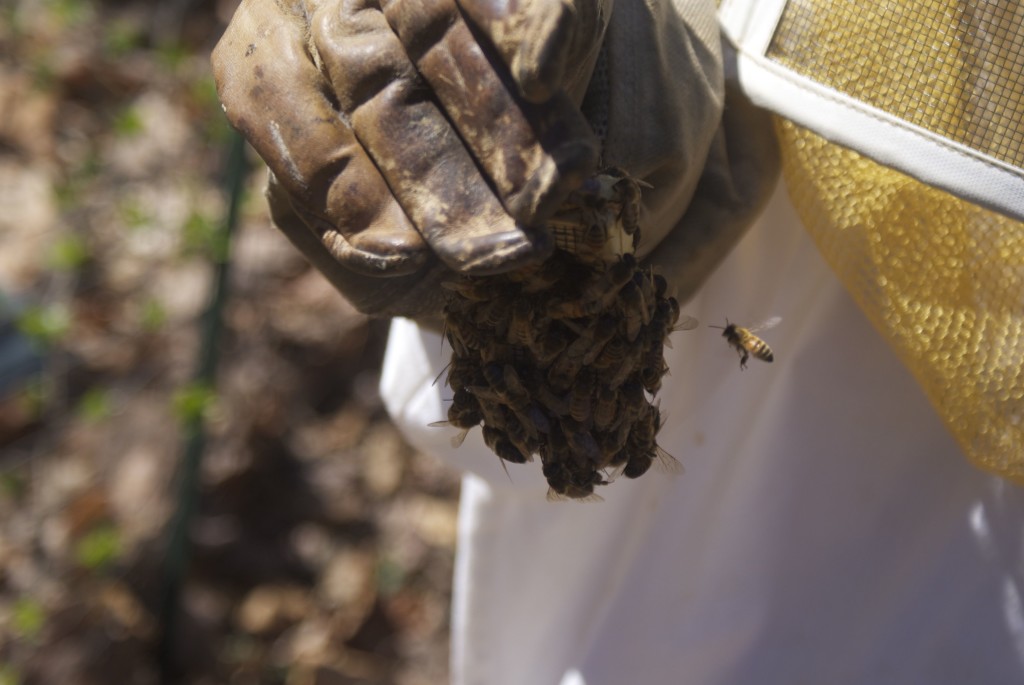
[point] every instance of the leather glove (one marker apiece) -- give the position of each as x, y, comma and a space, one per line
655, 101
399, 142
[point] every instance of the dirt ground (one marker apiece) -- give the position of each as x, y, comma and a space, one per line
321, 550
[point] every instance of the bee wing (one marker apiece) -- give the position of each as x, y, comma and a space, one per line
766, 324
666, 463
446, 367
458, 438
686, 323
612, 473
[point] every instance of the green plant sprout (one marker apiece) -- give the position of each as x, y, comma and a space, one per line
68, 254
95, 405
99, 548
194, 401
27, 618
45, 325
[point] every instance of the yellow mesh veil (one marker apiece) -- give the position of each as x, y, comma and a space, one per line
942, 279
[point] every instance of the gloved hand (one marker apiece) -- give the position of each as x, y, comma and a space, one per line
398, 134
400, 144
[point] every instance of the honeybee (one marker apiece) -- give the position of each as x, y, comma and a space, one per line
520, 325
504, 380
463, 413
579, 348
580, 397
465, 409
564, 484
501, 445
627, 368
634, 309
603, 331
644, 449
490, 315
563, 372
584, 449
666, 320
551, 346
556, 404
611, 356
637, 465
660, 284
630, 192
606, 408
462, 374
466, 337
543, 276
535, 419
631, 402
597, 292
746, 343
653, 369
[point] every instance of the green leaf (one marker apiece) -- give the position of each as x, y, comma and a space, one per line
9, 675
45, 324
132, 214
27, 618
128, 122
121, 37
171, 55
70, 12
153, 316
13, 484
204, 235
99, 548
68, 253
194, 401
35, 396
69, 190
95, 405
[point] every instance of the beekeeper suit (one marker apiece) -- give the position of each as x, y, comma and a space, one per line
840, 519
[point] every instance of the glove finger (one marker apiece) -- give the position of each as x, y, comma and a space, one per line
415, 294
534, 153
423, 160
533, 37
273, 93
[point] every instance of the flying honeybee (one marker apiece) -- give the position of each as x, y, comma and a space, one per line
746, 343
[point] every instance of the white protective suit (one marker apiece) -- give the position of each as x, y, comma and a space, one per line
827, 528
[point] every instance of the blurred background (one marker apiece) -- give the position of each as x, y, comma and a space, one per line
169, 515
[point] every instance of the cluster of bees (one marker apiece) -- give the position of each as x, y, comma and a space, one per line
563, 362
564, 359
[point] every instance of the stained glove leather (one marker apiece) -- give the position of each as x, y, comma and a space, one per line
409, 139
397, 136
